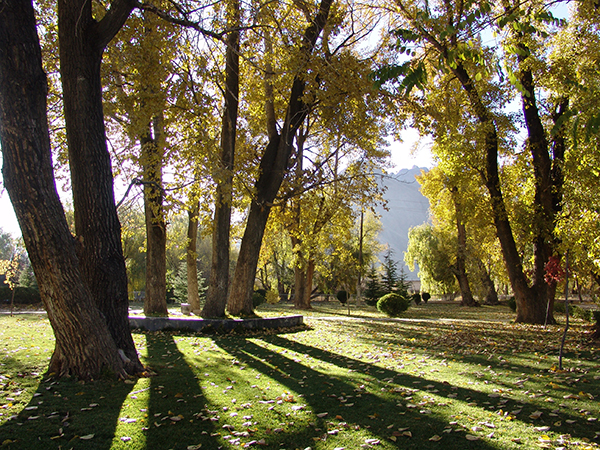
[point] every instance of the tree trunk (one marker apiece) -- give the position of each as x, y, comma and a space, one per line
273, 166
460, 269
529, 308
544, 216
299, 287
84, 345
216, 297
491, 296
82, 41
190, 259
155, 302
310, 273
240, 297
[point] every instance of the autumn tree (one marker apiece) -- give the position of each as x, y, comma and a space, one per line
450, 35
272, 168
88, 340
223, 174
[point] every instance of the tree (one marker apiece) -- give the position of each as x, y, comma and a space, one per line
82, 40
428, 247
448, 33
273, 166
85, 346
219, 274
136, 104
373, 291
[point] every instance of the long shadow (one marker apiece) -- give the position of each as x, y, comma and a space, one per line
175, 400
61, 411
336, 392
403, 379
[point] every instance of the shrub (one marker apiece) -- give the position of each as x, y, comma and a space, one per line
258, 298
581, 313
393, 304
342, 296
416, 298
425, 296
512, 303
559, 307
23, 295
272, 297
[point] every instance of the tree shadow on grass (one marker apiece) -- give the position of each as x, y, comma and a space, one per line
62, 411
364, 406
176, 401
491, 401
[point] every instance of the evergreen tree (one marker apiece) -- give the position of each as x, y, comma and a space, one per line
374, 289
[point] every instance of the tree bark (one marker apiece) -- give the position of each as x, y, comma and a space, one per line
460, 269
491, 296
84, 345
273, 166
544, 215
528, 304
155, 302
216, 297
190, 258
82, 41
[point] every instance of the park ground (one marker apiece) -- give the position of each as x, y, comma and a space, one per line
441, 376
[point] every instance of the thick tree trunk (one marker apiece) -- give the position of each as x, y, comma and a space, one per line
299, 287
84, 345
190, 259
216, 297
302, 287
273, 166
155, 302
544, 216
82, 41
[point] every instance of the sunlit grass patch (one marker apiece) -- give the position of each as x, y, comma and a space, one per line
445, 380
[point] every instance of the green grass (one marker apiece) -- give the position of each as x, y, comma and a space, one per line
441, 376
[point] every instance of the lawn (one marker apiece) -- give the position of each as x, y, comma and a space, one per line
441, 376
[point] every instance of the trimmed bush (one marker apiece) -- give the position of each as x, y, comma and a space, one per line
393, 304
425, 296
342, 296
416, 298
258, 298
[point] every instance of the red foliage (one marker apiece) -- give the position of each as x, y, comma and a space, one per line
554, 270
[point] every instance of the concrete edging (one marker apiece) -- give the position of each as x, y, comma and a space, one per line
213, 325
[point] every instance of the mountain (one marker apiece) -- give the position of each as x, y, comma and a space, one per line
406, 208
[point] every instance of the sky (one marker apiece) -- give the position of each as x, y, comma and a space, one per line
404, 155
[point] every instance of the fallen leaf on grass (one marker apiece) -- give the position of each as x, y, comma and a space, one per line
372, 441
435, 438
536, 415
87, 437
125, 438
470, 437
194, 447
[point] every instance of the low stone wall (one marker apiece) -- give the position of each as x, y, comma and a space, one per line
213, 325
